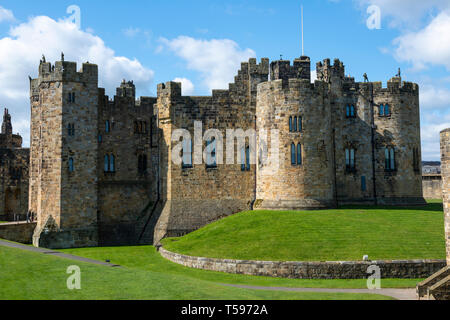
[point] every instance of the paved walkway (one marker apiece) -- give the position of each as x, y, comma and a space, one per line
400, 294
55, 253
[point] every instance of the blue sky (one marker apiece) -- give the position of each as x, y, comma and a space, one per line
202, 43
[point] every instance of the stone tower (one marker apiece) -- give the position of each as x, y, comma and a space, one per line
6, 125
63, 179
301, 112
445, 159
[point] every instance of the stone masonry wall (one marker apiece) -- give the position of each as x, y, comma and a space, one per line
311, 183
21, 232
310, 270
445, 167
126, 129
196, 196
432, 186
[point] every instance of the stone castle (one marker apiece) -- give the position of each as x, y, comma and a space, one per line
14, 162
101, 169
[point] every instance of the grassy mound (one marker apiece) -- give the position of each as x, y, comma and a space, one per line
348, 233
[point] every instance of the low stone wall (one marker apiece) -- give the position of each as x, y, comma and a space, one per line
432, 186
311, 270
21, 232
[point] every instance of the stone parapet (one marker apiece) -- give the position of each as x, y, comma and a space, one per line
407, 269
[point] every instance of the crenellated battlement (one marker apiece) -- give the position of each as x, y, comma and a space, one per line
282, 69
326, 71
66, 71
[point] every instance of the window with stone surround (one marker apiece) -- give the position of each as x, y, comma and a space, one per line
186, 154
384, 110
107, 126
389, 153
71, 97
245, 159
71, 129
350, 163
142, 163
71, 165
211, 161
350, 111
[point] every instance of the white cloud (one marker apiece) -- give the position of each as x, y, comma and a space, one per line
21, 50
187, 87
6, 15
429, 46
131, 32
217, 60
433, 97
405, 12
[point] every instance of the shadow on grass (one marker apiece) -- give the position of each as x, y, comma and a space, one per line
436, 207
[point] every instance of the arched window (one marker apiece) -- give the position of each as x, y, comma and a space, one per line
112, 163
387, 110
290, 124
381, 112
300, 124
293, 156
107, 126
299, 154
348, 111
71, 165
106, 164
295, 124
352, 111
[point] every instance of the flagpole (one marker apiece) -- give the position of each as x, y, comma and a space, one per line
303, 42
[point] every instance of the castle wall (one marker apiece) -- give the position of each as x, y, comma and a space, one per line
14, 183
126, 193
445, 167
287, 186
400, 130
432, 186
194, 197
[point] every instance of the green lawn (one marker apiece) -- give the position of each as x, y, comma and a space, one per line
26, 275
347, 233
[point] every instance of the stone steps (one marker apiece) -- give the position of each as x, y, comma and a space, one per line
436, 286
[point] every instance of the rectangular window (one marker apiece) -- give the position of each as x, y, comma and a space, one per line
363, 184
390, 159
187, 154
247, 157
211, 161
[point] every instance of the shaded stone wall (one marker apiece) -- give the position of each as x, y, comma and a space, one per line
126, 129
445, 167
432, 186
311, 270
14, 164
21, 232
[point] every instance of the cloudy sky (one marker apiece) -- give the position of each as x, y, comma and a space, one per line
202, 42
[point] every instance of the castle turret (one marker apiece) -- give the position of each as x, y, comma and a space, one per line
301, 175
6, 125
63, 183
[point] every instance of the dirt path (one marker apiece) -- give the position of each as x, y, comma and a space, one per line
54, 253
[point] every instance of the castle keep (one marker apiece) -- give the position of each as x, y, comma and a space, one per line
102, 170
